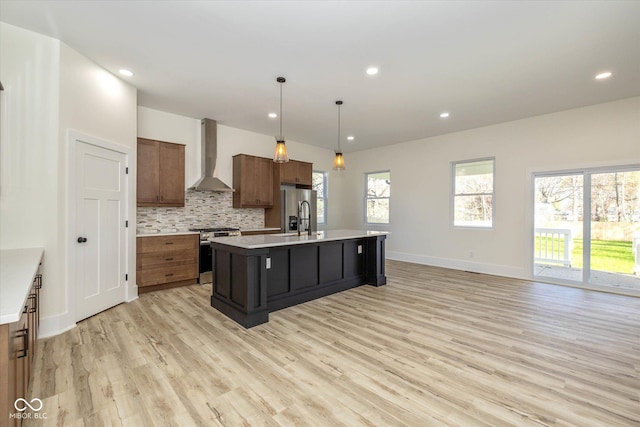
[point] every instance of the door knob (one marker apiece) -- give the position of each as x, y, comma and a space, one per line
82, 239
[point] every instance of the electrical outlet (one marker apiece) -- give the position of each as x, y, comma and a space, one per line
268, 263
471, 254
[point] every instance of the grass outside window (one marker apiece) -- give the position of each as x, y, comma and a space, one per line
606, 255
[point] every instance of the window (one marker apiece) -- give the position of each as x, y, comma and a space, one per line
378, 195
320, 185
473, 193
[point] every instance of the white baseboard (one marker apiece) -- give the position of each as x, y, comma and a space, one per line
501, 270
456, 264
55, 325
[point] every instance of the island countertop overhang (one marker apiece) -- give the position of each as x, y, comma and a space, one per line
277, 240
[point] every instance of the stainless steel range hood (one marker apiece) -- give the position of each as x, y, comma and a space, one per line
209, 152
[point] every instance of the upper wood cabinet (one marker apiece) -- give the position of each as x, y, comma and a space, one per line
160, 173
296, 173
253, 181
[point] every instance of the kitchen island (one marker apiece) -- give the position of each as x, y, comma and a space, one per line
255, 275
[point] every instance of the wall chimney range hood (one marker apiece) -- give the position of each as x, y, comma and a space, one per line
209, 154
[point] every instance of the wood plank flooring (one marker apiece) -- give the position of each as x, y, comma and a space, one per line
432, 347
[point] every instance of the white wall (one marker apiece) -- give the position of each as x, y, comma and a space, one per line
50, 88
599, 135
29, 71
169, 127
28, 136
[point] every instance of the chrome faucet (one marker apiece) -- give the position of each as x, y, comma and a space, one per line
308, 217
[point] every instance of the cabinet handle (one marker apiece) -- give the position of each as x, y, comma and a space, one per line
25, 309
168, 259
38, 281
34, 297
162, 198
168, 243
25, 342
157, 198
169, 275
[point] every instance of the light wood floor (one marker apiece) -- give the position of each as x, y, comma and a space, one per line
433, 347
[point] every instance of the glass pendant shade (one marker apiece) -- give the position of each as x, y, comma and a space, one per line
281, 155
338, 162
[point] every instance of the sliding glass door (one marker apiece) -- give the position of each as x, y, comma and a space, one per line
615, 224
587, 227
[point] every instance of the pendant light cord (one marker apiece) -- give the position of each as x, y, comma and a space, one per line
338, 127
339, 104
281, 111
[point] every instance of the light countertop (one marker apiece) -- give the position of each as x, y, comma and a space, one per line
176, 233
18, 268
259, 229
274, 240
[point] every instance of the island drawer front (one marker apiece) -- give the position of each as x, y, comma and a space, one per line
165, 259
157, 276
166, 243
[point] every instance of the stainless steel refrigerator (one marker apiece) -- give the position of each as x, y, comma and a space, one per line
298, 210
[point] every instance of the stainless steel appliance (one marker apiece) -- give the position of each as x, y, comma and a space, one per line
206, 255
209, 180
298, 210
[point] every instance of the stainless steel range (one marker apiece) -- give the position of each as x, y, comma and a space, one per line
208, 232
206, 255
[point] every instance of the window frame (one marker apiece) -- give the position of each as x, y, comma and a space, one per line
367, 198
453, 194
325, 188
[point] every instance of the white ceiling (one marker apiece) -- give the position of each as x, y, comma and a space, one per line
484, 62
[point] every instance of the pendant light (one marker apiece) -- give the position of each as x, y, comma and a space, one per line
338, 161
281, 155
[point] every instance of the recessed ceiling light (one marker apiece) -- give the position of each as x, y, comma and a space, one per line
351, 138
273, 115
372, 71
444, 115
604, 75
125, 72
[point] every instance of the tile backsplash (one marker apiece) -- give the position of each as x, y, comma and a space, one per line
200, 209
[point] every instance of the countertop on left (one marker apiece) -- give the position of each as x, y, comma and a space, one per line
18, 268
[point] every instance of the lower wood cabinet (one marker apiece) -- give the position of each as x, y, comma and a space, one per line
166, 261
17, 347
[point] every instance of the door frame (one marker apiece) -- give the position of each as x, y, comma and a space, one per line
131, 290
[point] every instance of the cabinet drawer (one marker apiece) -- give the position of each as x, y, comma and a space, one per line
158, 276
167, 243
149, 260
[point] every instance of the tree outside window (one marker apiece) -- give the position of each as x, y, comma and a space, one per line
319, 183
378, 196
473, 193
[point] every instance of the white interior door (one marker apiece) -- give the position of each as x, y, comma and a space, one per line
100, 229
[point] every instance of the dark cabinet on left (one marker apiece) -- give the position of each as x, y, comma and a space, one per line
160, 173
